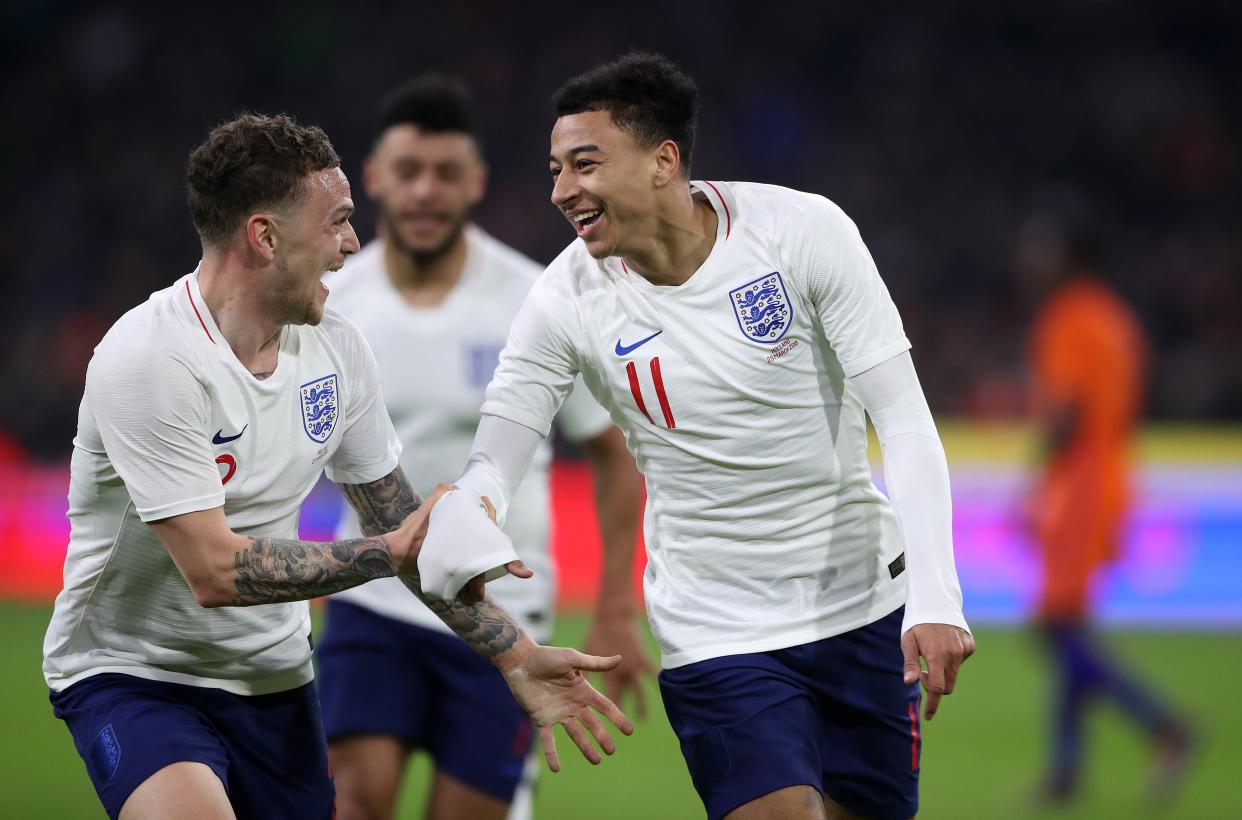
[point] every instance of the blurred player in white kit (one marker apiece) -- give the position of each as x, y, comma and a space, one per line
434, 295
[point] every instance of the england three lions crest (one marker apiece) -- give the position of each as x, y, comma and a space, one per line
319, 408
762, 308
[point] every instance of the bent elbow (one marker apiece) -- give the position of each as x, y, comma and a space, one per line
210, 595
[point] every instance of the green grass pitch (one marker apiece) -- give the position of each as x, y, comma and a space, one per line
981, 754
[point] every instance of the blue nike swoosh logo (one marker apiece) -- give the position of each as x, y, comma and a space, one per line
219, 439
622, 350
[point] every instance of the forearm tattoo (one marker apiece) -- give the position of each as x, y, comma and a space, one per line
485, 627
275, 570
382, 505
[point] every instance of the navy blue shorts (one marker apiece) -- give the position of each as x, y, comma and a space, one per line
267, 750
428, 689
834, 715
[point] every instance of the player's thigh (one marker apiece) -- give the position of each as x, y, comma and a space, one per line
368, 771
480, 737
127, 729
746, 726
790, 803
187, 791
374, 676
872, 747
452, 799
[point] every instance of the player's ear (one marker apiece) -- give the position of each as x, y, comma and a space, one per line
370, 178
479, 187
667, 163
261, 235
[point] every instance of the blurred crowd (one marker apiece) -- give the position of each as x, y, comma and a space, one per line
969, 142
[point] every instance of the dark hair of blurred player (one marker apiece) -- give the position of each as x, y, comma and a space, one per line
425, 172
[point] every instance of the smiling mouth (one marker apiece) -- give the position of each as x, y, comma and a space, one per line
585, 220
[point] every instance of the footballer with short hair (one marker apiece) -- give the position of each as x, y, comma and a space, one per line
740, 334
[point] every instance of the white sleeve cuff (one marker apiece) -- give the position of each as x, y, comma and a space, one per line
952, 617
461, 542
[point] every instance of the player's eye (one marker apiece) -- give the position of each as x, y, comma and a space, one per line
554, 172
583, 164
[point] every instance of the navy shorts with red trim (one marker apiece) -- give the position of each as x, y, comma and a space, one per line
267, 750
833, 714
381, 676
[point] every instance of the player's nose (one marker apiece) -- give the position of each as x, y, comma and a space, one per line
564, 189
350, 243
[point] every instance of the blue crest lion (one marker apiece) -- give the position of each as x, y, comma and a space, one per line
319, 408
762, 308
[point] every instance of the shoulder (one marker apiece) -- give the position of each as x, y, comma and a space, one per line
761, 207
503, 271
573, 272
501, 256
792, 210
151, 342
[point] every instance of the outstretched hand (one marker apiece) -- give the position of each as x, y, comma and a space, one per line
945, 648
549, 684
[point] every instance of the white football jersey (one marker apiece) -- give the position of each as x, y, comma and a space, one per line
763, 527
435, 364
171, 423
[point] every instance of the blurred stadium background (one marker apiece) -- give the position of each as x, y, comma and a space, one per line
961, 140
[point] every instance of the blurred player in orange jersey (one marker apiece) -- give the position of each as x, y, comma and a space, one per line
1088, 357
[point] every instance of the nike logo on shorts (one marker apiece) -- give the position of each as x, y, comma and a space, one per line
622, 350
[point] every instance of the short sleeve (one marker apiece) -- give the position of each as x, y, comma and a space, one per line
581, 418
152, 413
858, 316
539, 363
369, 447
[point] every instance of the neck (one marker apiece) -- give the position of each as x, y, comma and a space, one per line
679, 245
424, 280
226, 280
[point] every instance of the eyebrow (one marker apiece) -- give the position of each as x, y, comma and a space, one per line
581, 149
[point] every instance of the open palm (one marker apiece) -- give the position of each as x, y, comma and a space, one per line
550, 685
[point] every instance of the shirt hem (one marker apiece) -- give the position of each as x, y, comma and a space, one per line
517, 415
278, 683
876, 357
810, 634
203, 502
364, 475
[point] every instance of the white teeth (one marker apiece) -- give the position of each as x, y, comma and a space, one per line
585, 215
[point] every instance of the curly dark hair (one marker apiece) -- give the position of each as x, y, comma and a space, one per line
645, 94
436, 103
249, 163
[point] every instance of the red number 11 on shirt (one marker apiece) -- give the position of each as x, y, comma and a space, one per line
637, 390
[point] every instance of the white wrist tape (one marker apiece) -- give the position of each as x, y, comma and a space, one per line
462, 542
